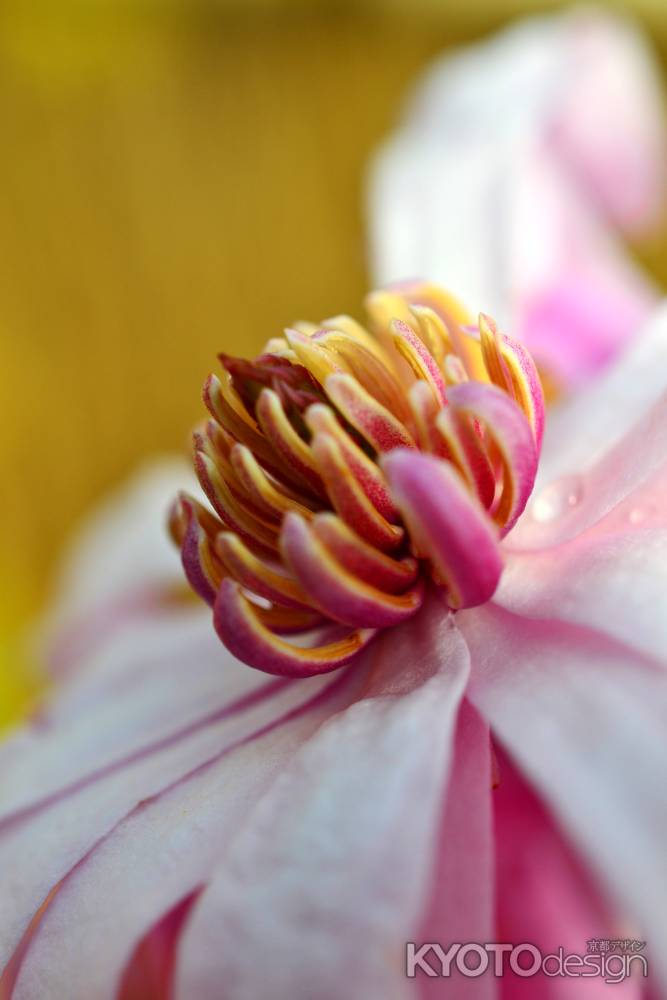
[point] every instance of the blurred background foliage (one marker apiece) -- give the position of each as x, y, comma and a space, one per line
177, 178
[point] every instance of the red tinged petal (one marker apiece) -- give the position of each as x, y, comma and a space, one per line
462, 444
425, 410
201, 564
462, 901
366, 362
584, 718
258, 532
546, 896
448, 525
240, 629
314, 356
292, 449
150, 971
372, 420
237, 422
322, 419
361, 559
263, 492
506, 426
349, 499
452, 313
256, 575
420, 360
338, 593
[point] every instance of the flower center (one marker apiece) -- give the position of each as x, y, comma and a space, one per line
347, 467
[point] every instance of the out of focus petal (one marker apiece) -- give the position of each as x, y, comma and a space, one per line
510, 174
584, 719
161, 851
581, 429
591, 548
462, 899
119, 566
73, 793
545, 896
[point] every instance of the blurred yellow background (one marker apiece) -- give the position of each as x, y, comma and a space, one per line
176, 178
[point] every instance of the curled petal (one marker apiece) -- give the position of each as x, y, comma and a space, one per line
195, 526
287, 621
242, 429
321, 418
349, 499
433, 332
382, 307
240, 629
511, 367
294, 451
493, 359
254, 574
314, 356
338, 593
507, 427
361, 559
449, 526
355, 334
237, 516
526, 385
373, 421
425, 409
454, 316
420, 360
463, 445
264, 493
371, 369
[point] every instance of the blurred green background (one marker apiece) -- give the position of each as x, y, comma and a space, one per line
175, 178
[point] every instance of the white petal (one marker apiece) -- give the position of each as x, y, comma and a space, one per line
317, 895
124, 542
163, 850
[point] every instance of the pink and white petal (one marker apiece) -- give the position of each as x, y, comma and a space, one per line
584, 719
493, 144
582, 429
58, 834
121, 554
340, 850
612, 577
150, 971
152, 680
447, 524
462, 898
546, 897
576, 296
129, 884
609, 123
568, 506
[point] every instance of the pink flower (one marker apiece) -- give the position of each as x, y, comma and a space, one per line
174, 820
347, 469
517, 163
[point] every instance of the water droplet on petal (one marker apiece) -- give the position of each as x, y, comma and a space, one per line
557, 499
